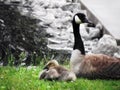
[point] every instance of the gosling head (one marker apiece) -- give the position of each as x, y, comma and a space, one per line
51, 63
81, 18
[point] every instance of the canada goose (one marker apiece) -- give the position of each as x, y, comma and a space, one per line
94, 65
53, 71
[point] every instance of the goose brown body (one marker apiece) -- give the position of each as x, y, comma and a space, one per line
99, 66
94, 65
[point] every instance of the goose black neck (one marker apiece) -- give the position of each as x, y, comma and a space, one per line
78, 43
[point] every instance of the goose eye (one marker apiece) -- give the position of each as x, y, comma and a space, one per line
77, 20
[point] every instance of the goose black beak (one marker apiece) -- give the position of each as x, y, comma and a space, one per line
86, 20
89, 24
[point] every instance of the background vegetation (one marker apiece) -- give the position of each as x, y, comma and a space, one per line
20, 34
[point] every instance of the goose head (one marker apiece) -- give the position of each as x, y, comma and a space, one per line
51, 63
81, 18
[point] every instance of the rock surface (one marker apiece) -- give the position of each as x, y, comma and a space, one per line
56, 19
106, 45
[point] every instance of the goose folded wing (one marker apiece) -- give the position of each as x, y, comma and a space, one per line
102, 66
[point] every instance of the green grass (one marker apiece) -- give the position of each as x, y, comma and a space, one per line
12, 78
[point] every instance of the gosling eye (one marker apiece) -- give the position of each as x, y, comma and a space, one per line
51, 65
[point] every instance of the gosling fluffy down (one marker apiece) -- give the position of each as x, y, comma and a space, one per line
53, 71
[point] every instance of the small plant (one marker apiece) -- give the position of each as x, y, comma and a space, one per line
11, 60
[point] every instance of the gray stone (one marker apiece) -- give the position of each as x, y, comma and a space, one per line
106, 45
73, 7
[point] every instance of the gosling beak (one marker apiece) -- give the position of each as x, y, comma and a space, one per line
45, 67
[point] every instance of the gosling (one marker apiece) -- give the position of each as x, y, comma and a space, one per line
54, 71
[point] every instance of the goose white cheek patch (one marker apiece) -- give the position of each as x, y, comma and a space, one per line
77, 20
